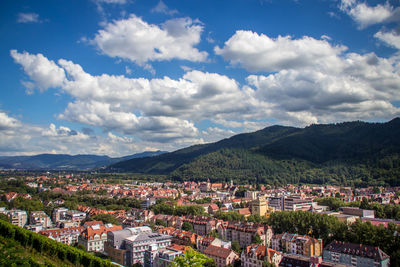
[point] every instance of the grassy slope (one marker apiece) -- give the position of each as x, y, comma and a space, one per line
13, 253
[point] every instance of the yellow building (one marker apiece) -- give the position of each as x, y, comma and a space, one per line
260, 207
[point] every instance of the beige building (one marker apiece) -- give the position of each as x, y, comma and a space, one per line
297, 244
95, 235
221, 256
40, 218
255, 255
260, 207
244, 233
67, 236
18, 217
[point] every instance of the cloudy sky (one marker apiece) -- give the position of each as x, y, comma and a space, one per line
117, 77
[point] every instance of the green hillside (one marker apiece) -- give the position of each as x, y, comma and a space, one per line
350, 153
21, 247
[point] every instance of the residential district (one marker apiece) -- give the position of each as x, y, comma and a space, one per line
145, 236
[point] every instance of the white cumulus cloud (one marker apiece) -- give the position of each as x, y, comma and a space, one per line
259, 52
140, 42
390, 38
365, 15
7, 122
45, 73
165, 112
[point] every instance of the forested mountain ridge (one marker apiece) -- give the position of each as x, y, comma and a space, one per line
352, 153
66, 162
168, 162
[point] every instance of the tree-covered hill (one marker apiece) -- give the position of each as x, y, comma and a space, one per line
165, 163
351, 153
66, 162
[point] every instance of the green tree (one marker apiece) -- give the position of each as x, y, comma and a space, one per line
268, 264
256, 239
236, 247
105, 218
214, 233
4, 217
187, 226
161, 222
192, 258
28, 205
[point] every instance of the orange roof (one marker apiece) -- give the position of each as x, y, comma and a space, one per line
214, 206
218, 252
179, 247
91, 223
244, 211
89, 232
58, 232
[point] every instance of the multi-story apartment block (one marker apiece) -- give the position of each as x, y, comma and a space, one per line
67, 236
166, 257
128, 246
68, 218
18, 217
201, 225
255, 256
355, 255
221, 256
297, 244
40, 218
59, 215
207, 241
276, 202
291, 203
358, 212
251, 194
94, 235
244, 233
74, 216
298, 203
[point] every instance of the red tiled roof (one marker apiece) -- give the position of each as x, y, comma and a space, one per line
218, 251
179, 247
244, 211
58, 232
214, 206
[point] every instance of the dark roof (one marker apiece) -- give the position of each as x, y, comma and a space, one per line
357, 250
295, 260
331, 264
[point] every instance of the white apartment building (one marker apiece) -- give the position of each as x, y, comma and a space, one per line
18, 217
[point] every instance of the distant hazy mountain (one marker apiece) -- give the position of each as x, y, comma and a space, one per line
343, 153
66, 162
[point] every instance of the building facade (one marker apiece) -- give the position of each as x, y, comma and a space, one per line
256, 255
67, 236
297, 244
94, 235
18, 217
129, 246
355, 255
40, 218
244, 233
221, 256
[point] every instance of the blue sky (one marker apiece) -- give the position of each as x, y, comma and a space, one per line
117, 77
